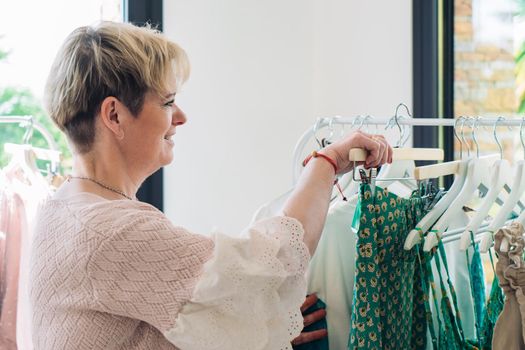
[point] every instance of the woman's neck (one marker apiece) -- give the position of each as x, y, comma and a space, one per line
103, 173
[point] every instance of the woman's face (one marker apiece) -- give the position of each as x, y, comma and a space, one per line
149, 135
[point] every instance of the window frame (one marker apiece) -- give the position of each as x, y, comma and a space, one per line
140, 12
433, 73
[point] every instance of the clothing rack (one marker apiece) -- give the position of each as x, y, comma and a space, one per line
396, 121
30, 122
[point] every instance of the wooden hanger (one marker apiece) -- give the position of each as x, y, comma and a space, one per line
359, 154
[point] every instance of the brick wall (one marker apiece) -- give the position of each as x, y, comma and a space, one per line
484, 82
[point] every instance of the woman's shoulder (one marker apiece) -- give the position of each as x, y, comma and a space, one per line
93, 213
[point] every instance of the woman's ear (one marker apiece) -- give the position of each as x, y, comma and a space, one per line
112, 115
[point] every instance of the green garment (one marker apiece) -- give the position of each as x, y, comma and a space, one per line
320, 344
492, 311
451, 334
477, 287
388, 309
427, 280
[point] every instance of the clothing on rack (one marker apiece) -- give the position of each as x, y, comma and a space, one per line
459, 276
509, 331
20, 201
477, 287
451, 335
22, 190
386, 306
332, 268
12, 227
493, 309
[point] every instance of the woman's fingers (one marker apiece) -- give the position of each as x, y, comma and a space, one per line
378, 150
310, 300
384, 154
386, 148
315, 316
307, 337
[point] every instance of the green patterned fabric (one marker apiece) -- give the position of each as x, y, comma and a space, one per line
492, 311
454, 338
388, 309
450, 337
477, 288
427, 279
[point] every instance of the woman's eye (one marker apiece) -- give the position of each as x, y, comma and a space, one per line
169, 103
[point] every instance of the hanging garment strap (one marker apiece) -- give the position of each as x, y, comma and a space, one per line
492, 263
426, 277
493, 309
477, 287
449, 337
443, 255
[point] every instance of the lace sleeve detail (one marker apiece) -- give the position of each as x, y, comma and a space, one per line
250, 292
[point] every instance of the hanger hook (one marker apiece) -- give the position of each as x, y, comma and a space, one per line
521, 136
396, 121
474, 127
463, 136
331, 128
366, 120
356, 119
316, 127
406, 130
362, 122
402, 131
496, 136
454, 130
29, 131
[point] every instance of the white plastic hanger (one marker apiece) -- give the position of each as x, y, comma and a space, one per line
402, 170
517, 189
476, 169
498, 173
24, 157
348, 185
521, 218
459, 169
505, 245
472, 181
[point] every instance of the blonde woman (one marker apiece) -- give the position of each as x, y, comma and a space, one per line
110, 272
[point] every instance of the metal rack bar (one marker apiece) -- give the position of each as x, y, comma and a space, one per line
371, 120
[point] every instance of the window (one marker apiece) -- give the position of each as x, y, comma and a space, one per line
31, 32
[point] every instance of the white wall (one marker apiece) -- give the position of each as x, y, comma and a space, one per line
262, 71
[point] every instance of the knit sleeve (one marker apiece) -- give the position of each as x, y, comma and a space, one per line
206, 293
147, 269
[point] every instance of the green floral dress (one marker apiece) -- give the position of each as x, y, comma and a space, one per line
389, 302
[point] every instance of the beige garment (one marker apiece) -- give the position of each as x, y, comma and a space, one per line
118, 275
12, 226
509, 331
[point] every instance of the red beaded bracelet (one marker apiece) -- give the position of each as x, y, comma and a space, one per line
315, 154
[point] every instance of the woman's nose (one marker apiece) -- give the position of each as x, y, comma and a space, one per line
179, 117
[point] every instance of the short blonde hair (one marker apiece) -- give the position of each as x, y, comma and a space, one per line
108, 59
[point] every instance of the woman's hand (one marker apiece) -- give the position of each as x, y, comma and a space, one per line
379, 151
309, 201
317, 315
